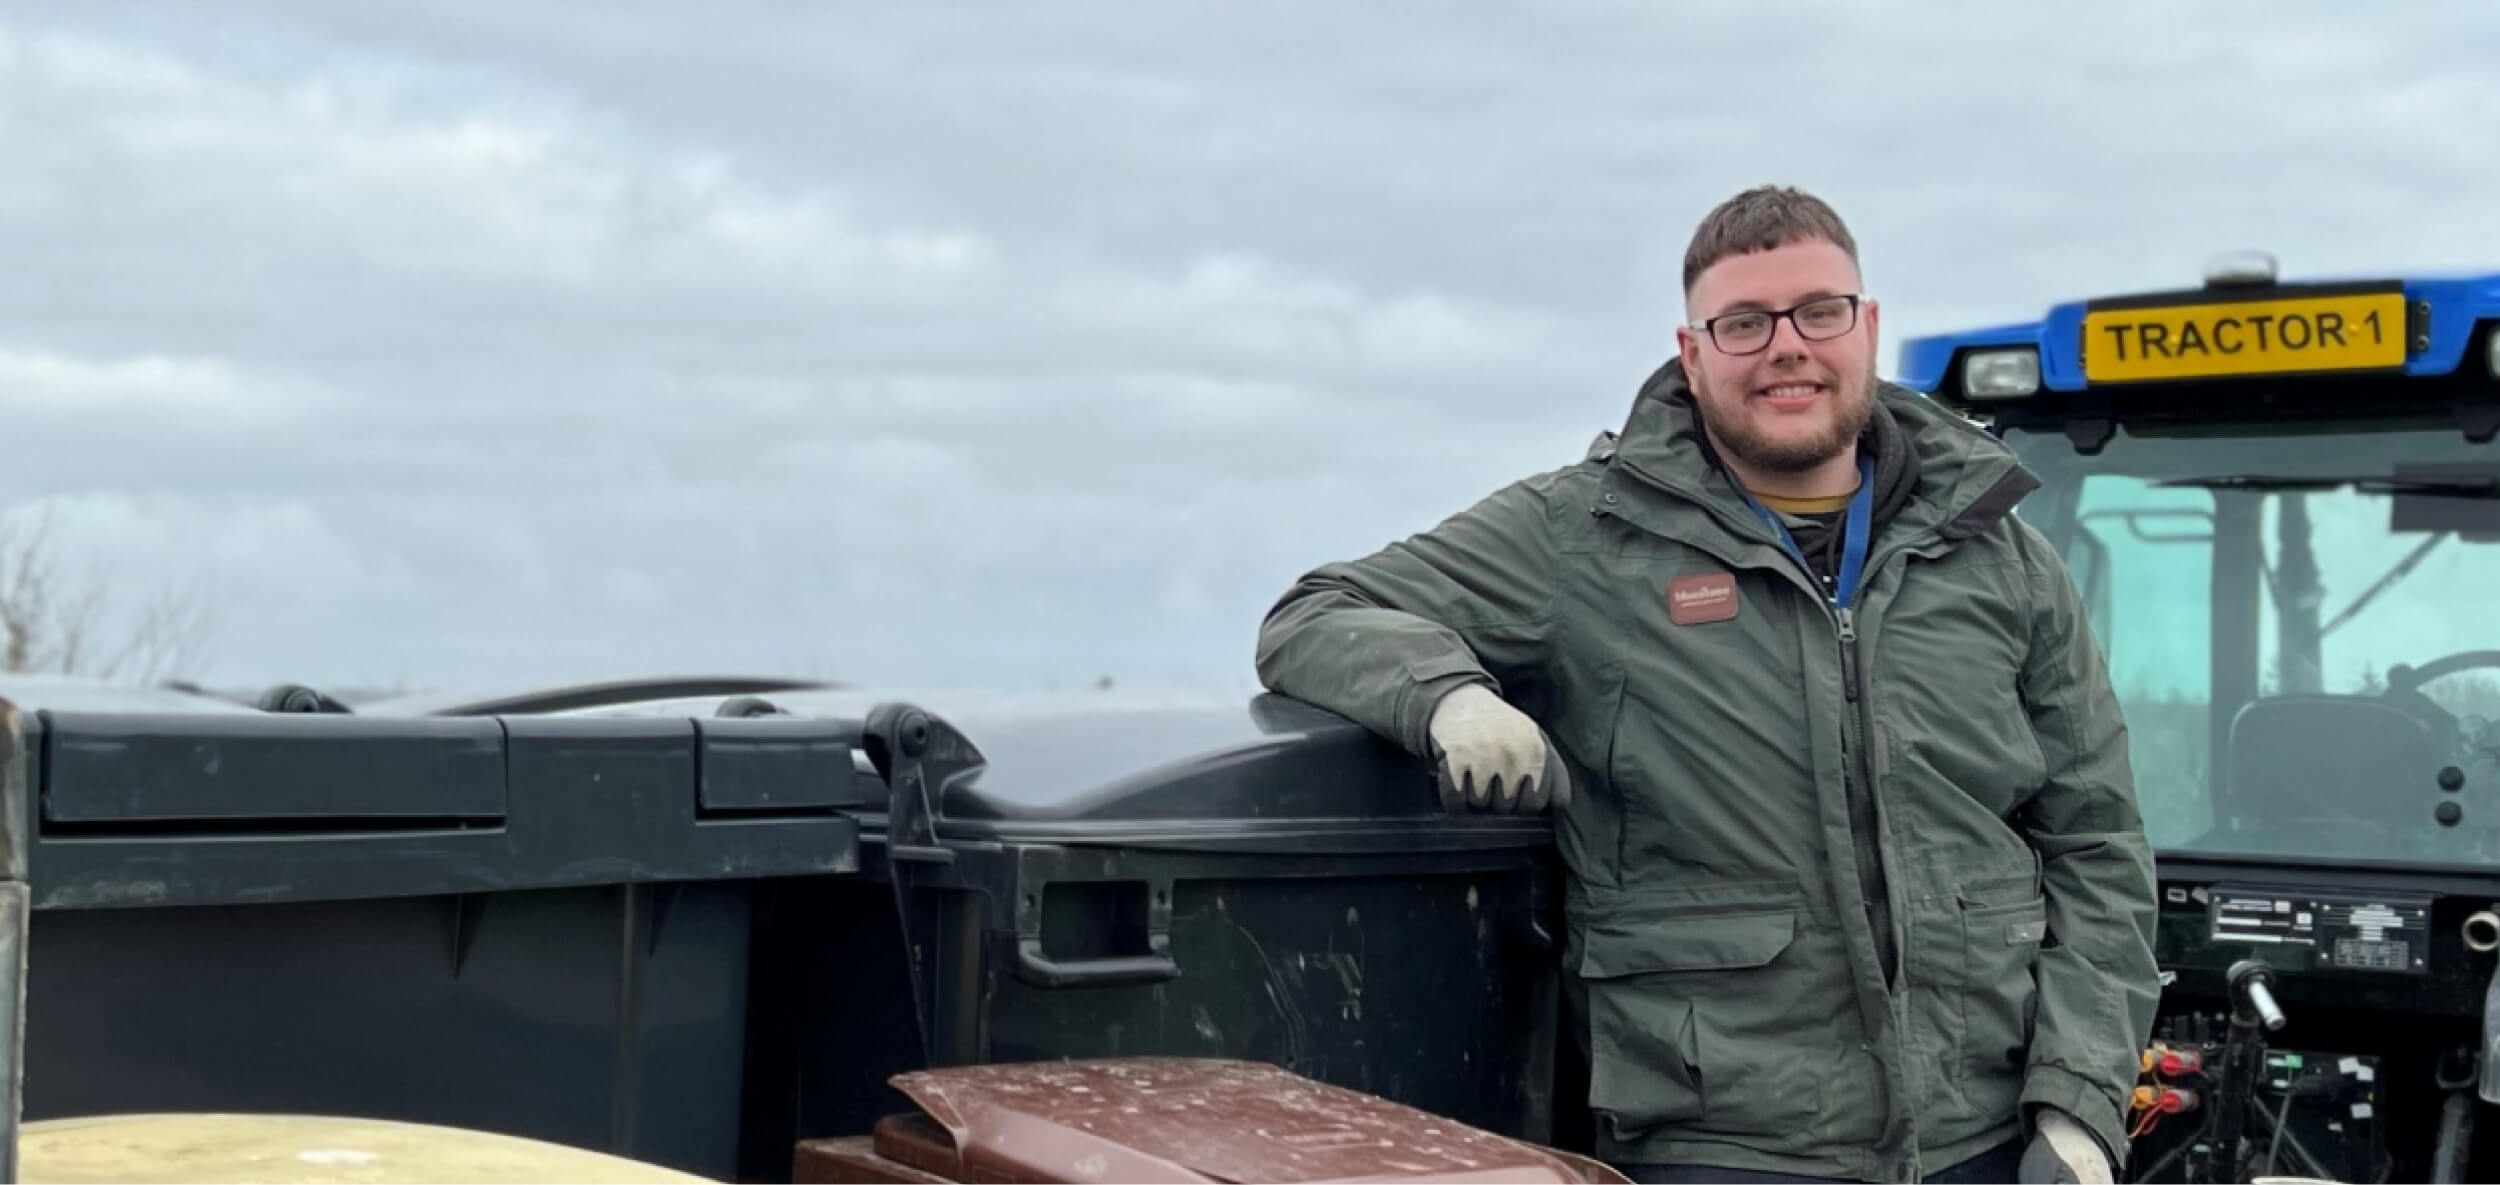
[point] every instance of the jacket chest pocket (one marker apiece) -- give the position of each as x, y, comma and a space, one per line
1708, 744
1696, 1021
1946, 663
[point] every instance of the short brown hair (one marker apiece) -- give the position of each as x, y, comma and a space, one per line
1759, 219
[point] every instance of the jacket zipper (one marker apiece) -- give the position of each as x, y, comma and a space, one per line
1855, 731
1849, 655
1856, 728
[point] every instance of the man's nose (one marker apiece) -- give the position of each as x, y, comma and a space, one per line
1787, 345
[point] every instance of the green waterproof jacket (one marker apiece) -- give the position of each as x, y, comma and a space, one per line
1741, 1009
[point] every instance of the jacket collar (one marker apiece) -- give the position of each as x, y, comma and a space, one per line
1661, 474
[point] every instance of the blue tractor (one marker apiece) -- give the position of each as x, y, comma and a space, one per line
2282, 501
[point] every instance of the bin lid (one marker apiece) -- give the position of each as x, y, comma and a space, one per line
1204, 775
301, 1148
1206, 1119
1172, 770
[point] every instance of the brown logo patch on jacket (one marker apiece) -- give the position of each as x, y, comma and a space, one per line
1699, 600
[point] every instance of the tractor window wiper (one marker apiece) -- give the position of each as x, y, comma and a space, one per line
2403, 568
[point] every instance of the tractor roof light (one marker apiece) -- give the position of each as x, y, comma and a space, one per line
2001, 374
2242, 269
2491, 351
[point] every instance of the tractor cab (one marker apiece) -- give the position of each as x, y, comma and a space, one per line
2282, 503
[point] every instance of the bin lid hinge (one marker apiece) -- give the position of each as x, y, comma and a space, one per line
919, 756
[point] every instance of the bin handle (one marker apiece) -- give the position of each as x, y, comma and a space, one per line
1040, 970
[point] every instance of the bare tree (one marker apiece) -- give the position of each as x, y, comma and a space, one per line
57, 622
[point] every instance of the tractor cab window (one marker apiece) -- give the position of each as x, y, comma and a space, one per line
2299, 629
2150, 549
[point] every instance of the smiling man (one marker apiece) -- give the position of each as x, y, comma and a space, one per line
1858, 888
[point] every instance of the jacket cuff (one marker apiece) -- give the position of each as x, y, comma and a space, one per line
2083, 1101
1434, 678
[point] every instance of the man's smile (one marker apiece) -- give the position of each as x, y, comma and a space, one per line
1791, 396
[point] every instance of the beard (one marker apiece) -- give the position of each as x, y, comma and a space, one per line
1739, 434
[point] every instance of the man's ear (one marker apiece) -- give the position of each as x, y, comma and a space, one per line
1688, 348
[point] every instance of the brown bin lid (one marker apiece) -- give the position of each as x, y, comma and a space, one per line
917, 1141
1195, 1119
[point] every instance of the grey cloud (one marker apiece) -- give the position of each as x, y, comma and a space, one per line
484, 341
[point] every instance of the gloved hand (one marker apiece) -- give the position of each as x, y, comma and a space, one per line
2062, 1153
1490, 753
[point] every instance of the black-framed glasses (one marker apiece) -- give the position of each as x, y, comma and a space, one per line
1749, 331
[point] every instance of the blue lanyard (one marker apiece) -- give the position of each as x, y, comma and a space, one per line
1853, 543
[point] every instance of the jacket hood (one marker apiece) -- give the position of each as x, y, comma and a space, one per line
1934, 469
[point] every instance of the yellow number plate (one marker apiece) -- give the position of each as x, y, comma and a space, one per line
2303, 334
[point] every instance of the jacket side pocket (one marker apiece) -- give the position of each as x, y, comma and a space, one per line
2003, 927
1675, 1015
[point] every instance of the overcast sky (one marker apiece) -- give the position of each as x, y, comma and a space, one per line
470, 343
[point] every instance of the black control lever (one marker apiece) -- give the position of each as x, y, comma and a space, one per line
2254, 1013
2252, 989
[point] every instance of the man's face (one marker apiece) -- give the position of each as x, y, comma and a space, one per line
1795, 402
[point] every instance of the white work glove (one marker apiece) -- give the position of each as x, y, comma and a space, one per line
1489, 752
2062, 1153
